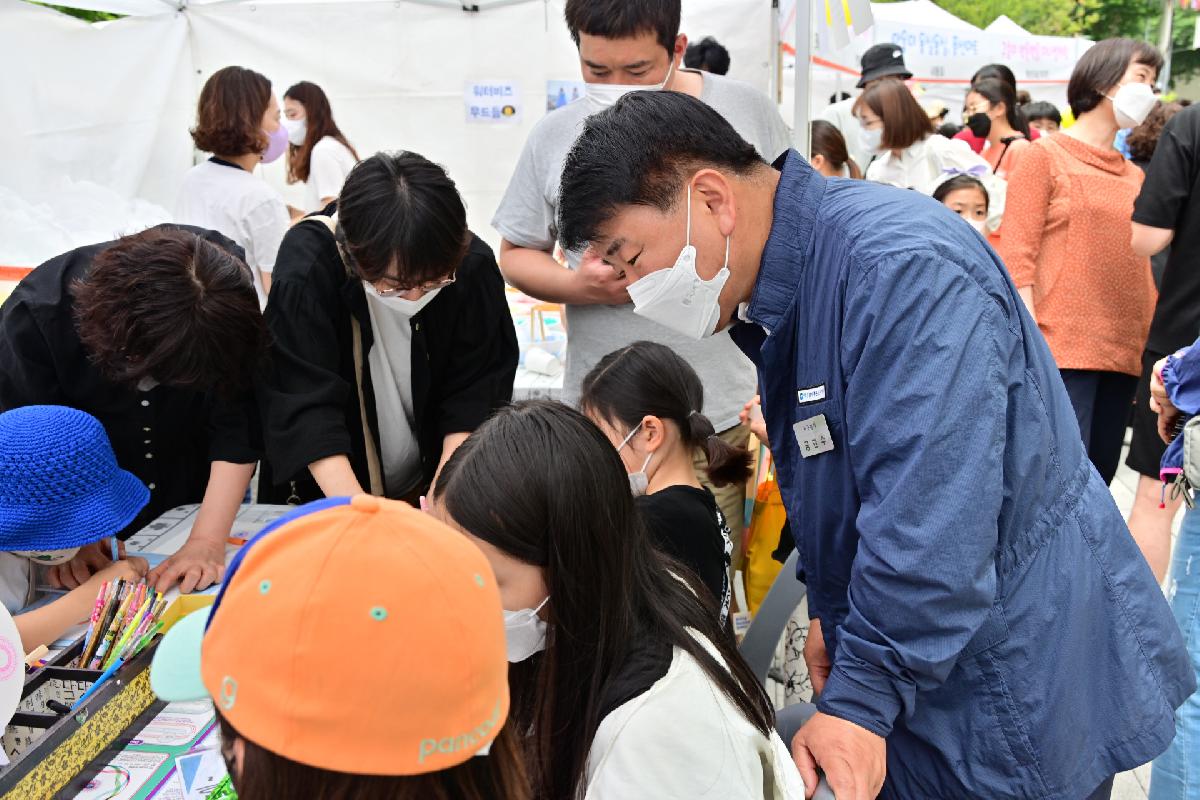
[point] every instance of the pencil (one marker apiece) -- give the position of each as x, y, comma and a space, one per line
89, 648
112, 631
127, 631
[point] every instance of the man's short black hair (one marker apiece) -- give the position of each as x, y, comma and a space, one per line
1040, 109
707, 54
624, 19
640, 152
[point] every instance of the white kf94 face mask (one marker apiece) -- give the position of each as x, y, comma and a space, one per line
678, 297
524, 632
602, 95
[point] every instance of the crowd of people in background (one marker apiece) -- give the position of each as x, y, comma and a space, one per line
1035, 274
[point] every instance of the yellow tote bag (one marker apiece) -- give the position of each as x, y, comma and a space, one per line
762, 539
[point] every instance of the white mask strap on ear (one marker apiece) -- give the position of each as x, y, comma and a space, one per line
688, 202
726, 252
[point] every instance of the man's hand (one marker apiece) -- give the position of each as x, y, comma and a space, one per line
751, 414
199, 564
1160, 403
90, 559
815, 657
600, 284
854, 759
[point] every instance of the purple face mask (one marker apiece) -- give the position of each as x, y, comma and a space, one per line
277, 143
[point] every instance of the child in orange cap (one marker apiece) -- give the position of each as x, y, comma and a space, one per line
355, 651
627, 684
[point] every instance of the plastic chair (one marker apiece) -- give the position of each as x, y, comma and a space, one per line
760, 642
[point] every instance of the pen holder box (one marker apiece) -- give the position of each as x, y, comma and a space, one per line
48, 751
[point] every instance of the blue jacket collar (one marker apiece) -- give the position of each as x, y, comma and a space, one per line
797, 199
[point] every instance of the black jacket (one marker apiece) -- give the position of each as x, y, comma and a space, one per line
167, 436
464, 359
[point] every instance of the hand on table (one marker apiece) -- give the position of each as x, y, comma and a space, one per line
197, 565
1160, 403
90, 559
854, 759
600, 283
751, 415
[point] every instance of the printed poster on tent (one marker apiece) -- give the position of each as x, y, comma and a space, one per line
492, 102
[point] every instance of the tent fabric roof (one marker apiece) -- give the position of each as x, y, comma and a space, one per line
919, 12
1006, 27
142, 8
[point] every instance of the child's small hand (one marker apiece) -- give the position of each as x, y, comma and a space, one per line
130, 569
752, 415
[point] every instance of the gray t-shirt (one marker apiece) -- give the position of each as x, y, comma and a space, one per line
527, 218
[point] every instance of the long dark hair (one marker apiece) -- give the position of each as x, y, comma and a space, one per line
998, 91
318, 123
267, 776
542, 484
647, 378
826, 140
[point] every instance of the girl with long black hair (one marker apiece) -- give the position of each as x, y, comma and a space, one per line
621, 681
645, 399
992, 114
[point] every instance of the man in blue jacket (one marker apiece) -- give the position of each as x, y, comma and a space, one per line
990, 627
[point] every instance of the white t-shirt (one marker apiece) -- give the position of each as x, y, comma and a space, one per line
924, 164
16, 582
390, 362
683, 738
228, 199
331, 161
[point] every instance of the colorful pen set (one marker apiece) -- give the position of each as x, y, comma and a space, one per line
124, 620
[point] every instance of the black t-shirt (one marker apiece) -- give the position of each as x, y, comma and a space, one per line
1170, 198
686, 524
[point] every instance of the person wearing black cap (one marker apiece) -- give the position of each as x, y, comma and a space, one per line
880, 62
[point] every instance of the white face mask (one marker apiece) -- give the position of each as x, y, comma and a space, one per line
979, 225
48, 558
1132, 103
677, 297
524, 632
870, 140
408, 308
602, 95
146, 384
638, 481
297, 129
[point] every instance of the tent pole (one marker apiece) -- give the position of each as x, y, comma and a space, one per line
800, 121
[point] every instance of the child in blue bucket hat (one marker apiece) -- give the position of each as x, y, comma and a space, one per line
60, 489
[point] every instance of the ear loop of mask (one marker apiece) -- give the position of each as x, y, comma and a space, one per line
688, 239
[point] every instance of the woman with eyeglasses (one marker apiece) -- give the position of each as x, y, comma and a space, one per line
391, 338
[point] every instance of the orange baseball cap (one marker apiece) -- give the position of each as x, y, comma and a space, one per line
354, 635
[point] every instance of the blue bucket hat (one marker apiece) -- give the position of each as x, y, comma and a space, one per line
60, 486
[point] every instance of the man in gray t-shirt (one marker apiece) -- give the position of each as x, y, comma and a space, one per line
626, 45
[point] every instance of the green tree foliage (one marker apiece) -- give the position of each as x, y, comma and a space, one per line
86, 16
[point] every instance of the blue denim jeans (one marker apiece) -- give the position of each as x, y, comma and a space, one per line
1176, 773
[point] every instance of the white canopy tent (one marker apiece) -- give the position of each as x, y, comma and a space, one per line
1005, 26
111, 104
942, 51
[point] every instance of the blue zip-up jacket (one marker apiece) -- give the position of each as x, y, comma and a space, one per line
1181, 379
985, 607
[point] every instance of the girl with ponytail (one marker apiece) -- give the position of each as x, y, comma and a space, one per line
647, 401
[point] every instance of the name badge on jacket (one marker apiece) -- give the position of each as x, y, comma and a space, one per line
813, 436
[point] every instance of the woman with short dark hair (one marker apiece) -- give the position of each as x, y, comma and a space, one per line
1066, 241
898, 133
237, 121
156, 335
391, 337
318, 155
